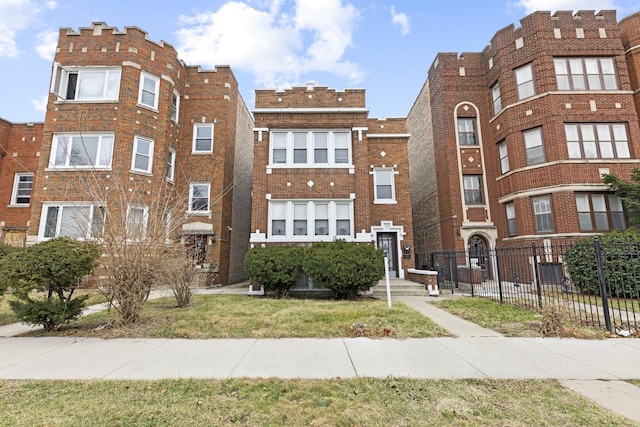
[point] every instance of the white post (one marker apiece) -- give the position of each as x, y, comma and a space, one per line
386, 276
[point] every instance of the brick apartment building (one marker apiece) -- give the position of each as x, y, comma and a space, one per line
20, 145
508, 145
128, 123
324, 170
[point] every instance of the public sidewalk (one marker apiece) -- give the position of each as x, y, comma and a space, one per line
594, 368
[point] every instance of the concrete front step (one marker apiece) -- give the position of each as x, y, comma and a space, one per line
409, 289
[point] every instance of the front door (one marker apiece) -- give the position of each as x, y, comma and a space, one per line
387, 241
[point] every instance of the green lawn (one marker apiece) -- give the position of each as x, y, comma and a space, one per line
273, 402
241, 316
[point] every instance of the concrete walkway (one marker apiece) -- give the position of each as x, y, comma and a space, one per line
593, 368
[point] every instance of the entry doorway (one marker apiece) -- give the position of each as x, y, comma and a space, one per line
479, 255
389, 243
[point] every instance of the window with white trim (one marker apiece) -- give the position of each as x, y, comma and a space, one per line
543, 214
149, 89
472, 189
467, 131
581, 74
524, 81
175, 106
504, 157
384, 184
597, 140
202, 138
86, 150
310, 220
310, 148
510, 210
73, 220
534, 147
142, 158
496, 98
22, 186
136, 225
199, 197
171, 165
86, 83
600, 212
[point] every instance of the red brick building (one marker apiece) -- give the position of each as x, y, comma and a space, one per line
508, 145
19, 155
324, 170
128, 123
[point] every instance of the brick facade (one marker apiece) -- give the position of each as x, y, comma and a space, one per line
301, 187
462, 87
185, 96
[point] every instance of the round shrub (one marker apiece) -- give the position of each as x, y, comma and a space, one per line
276, 267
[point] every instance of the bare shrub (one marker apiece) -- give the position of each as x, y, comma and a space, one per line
181, 276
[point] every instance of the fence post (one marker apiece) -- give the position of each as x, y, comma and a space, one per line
470, 272
495, 251
603, 285
537, 275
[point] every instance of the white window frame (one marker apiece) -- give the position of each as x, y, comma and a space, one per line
134, 154
290, 147
595, 212
577, 73
199, 211
17, 181
597, 140
377, 172
472, 185
88, 226
503, 153
175, 106
104, 150
288, 206
156, 90
197, 126
60, 82
531, 145
131, 234
512, 224
543, 202
496, 99
463, 130
525, 81
171, 165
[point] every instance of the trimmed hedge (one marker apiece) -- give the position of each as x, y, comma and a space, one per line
620, 254
276, 267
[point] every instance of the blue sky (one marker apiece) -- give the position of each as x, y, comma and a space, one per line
385, 47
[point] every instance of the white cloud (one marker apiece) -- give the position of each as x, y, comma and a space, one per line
400, 19
17, 16
575, 5
46, 44
278, 41
40, 104
51, 4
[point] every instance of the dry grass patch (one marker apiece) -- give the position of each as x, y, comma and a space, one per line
240, 316
353, 402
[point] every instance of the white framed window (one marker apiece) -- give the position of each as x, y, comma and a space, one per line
384, 185
581, 74
512, 228
303, 148
202, 138
86, 150
524, 81
175, 106
543, 214
497, 99
597, 140
534, 146
136, 225
142, 159
605, 211
22, 186
199, 197
472, 189
467, 131
503, 152
86, 83
310, 220
149, 89
171, 165
74, 220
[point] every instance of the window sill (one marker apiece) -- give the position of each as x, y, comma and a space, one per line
309, 166
20, 205
199, 213
385, 202
86, 101
201, 153
77, 168
137, 172
147, 107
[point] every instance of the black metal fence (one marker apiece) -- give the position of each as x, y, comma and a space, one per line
599, 285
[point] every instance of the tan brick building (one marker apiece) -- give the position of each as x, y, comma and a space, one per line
508, 145
19, 155
324, 170
128, 123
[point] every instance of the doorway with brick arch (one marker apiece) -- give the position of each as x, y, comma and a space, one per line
478, 250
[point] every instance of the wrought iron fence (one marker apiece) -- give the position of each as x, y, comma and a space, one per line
598, 285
